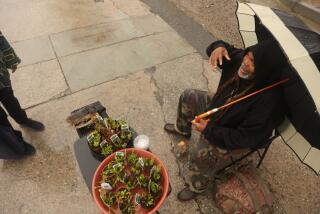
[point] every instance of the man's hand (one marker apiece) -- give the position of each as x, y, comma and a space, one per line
217, 55
200, 125
14, 68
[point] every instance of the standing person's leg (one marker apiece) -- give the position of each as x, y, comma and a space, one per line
3, 118
191, 103
12, 105
12, 142
205, 159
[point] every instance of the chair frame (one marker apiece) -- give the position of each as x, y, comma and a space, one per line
261, 156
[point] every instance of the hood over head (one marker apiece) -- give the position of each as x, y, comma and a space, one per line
268, 61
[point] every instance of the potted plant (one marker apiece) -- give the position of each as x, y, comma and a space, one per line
107, 150
155, 189
123, 195
108, 136
127, 208
110, 181
142, 180
94, 139
155, 173
108, 198
132, 159
127, 174
148, 163
147, 200
130, 179
119, 157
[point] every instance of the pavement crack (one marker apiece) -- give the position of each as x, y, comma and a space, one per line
158, 95
115, 43
199, 206
117, 7
57, 58
204, 75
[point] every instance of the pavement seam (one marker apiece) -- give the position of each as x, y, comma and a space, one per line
117, 7
116, 43
43, 61
159, 93
204, 75
64, 77
65, 93
76, 28
99, 23
199, 207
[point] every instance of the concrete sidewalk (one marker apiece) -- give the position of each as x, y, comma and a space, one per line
135, 64
75, 53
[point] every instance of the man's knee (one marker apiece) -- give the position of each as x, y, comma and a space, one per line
188, 95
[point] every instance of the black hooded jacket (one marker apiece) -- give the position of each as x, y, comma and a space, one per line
249, 123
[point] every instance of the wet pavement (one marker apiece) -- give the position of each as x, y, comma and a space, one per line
118, 52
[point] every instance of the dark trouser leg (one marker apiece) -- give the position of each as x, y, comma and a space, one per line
13, 138
204, 161
3, 118
191, 103
12, 105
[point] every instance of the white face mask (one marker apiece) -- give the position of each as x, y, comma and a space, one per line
246, 77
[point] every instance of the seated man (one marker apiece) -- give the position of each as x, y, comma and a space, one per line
247, 124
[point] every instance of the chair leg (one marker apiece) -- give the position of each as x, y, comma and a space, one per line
233, 162
263, 155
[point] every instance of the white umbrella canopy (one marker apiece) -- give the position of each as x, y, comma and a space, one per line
301, 131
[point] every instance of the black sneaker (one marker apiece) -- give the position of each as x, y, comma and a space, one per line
29, 149
33, 124
171, 128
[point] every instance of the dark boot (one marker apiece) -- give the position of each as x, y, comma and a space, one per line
33, 124
29, 149
186, 194
171, 128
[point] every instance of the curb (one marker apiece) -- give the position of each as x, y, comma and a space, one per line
303, 8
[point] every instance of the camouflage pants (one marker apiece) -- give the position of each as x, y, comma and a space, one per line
204, 159
191, 103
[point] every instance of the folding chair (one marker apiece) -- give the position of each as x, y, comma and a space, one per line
265, 149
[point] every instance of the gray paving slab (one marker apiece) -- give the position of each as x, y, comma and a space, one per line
21, 20
34, 50
172, 78
212, 76
132, 8
38, 83
96, 66
81, 39
294, 185
46, 183
186, 27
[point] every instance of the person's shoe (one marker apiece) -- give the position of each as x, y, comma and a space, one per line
33, 124
29, 149
171, 128
186, 194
